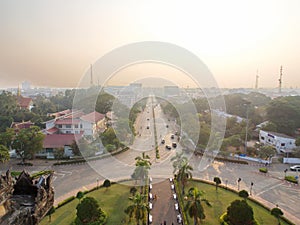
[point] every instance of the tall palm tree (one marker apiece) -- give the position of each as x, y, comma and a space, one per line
182, 169
143, 166
194, 206
138, 208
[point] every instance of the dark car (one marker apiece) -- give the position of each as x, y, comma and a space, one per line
174, 144
172, 136
147, 127
163, 141
168, 147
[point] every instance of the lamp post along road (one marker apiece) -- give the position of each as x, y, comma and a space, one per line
247, 123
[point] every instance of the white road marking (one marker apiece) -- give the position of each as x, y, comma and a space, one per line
277, 185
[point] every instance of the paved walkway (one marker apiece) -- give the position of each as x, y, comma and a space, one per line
163, 203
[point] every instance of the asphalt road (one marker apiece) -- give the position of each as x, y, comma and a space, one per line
270, 188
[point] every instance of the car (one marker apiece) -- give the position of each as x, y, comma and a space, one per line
147, 127
148, 119
295, 168
174, 144
163, 141
174, 196
167, 126
179, 218
168, 147
172, 136
176, 206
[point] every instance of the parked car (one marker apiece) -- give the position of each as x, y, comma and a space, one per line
163, 141
295, 168
172, 136
174, 144
168, 147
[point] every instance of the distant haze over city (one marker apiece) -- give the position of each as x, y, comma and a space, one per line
53, 44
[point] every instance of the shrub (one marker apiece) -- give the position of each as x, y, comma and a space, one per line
263, 170
291, 179
67, 200
244, 194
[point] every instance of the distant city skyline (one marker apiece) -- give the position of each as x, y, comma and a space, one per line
53, 43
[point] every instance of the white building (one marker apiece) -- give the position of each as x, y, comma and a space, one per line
282, 143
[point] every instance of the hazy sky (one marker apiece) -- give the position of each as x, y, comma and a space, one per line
53, 42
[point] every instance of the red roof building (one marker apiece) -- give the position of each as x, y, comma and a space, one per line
24, 102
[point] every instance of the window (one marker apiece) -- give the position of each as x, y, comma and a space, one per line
282, 144
80, 125
68, 126
76, 125
59, 126
68, 132
262, 138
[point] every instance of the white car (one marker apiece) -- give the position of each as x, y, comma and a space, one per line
172, 186
150, 186
175, 196
295, 168
150, 205
176, 206
150, 196
150, 218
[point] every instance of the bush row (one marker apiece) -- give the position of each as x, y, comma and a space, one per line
82, 160
263, 170
291, 179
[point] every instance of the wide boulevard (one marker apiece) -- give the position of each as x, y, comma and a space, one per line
271, 189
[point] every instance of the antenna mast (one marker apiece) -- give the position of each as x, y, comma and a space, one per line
256, 80
280, 79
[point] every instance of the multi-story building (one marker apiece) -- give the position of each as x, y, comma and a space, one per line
283, 143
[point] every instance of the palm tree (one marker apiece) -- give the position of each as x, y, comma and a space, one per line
194, 206
143, 166
138, 208
183, 169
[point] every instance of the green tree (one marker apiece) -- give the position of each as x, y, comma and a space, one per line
277, 213
6, 137
4, 154
79, 195
59, 153
194, 206
217, 181
182, 169
240, 213
142, 167
75, 148
244, 194
89, 212
133, 190
270, 126
106, 183
27, 142
138, 208
266, 152
285, 113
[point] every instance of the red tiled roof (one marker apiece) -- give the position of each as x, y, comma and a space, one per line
52, 130
59, 140
24, 102
67, 121
21, 125
93, 117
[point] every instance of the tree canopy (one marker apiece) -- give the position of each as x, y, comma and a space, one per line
89, 212
240, 213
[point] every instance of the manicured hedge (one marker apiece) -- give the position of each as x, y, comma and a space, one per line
67, 200
263, 170
291, 179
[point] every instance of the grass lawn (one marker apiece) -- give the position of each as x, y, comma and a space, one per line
221, 200
113, 201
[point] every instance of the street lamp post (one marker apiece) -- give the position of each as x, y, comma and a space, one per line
251, 188
239, 180
97, 183
226, 182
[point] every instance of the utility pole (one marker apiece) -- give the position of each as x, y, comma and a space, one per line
280, 79
256, 80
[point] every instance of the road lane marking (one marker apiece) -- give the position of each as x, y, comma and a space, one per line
268, 189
